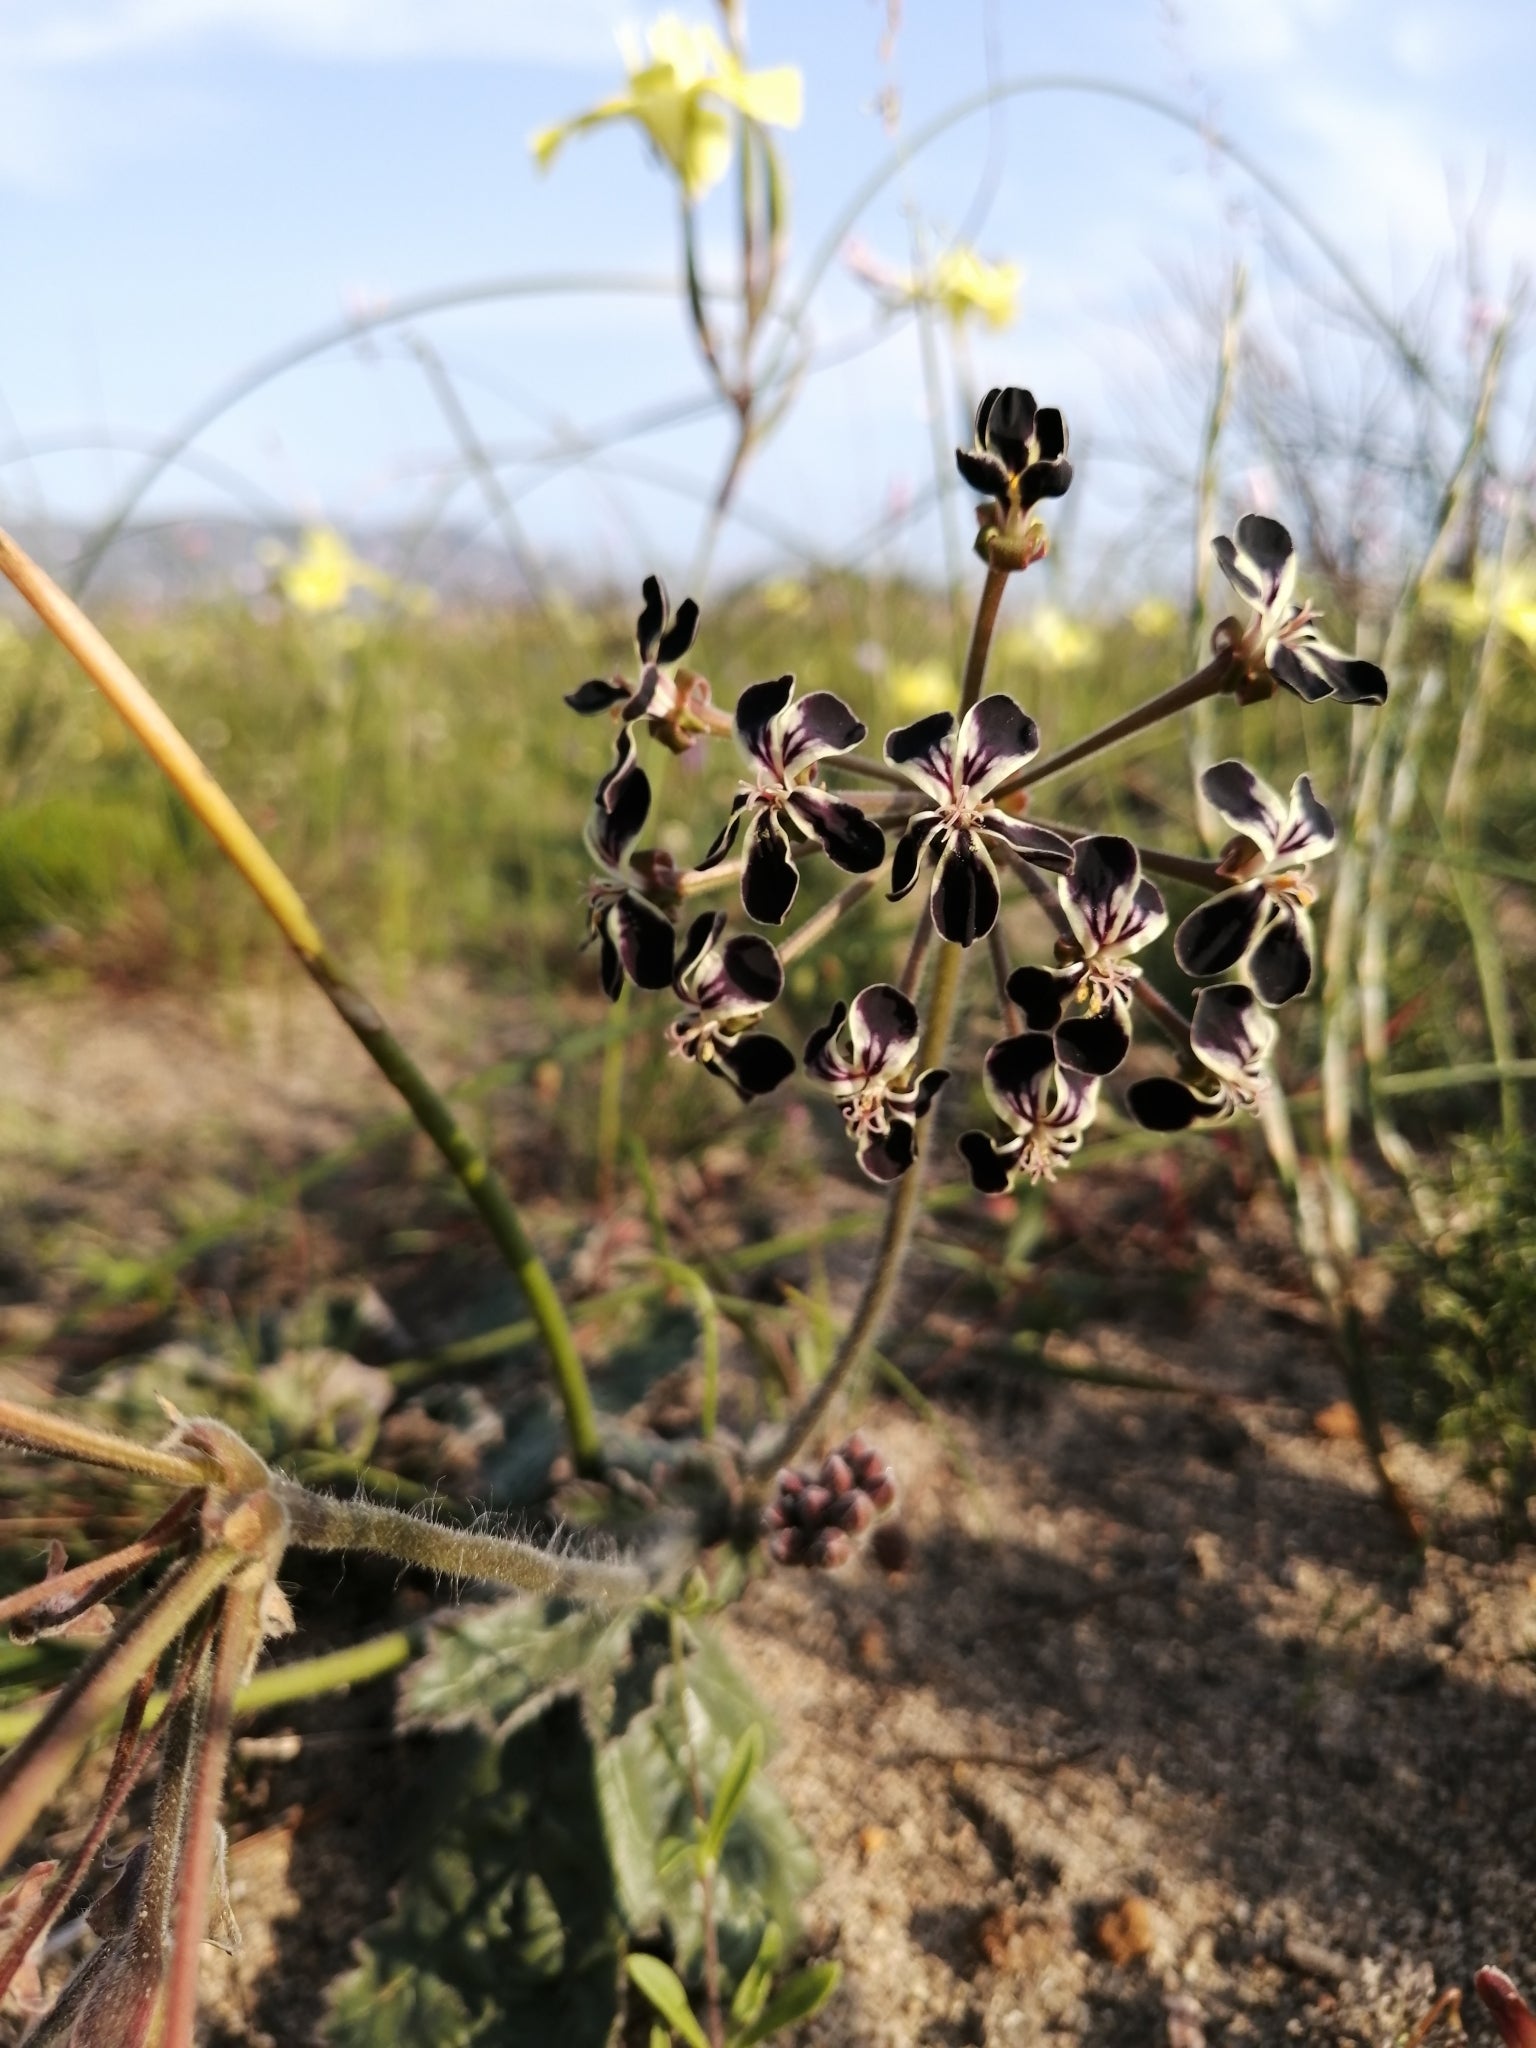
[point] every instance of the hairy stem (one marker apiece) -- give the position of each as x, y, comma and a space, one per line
318, 1522
56, 1436
902, 1207
209, 803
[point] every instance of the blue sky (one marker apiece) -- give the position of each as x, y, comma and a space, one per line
186, 184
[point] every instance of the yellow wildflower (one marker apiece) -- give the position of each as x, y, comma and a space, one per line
325, 574
913, 688
1155, 618
1506, 599
1050, 639
964, 283
678, 91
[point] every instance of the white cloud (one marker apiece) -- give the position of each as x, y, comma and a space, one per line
60, 33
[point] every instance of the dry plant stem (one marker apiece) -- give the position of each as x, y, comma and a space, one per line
128, 1759
238, 1638
317, 1522
1217, 675
43, 1759
187, 774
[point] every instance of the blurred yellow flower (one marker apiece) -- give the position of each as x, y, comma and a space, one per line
960, 284
325, 574
785, 595
1050, 639
1155, 618
1507, 600
913, 688
963, 283
678, 89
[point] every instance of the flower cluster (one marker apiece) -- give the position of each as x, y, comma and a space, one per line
952, 792
814, 1519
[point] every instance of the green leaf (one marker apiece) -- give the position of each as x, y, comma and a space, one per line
500, 1667
505, 1926
660, 2038
795, 2000
752, 1991
663, 1987
746, 1759
404, 2006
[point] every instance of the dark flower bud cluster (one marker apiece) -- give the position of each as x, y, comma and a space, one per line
949, 809
816, 1520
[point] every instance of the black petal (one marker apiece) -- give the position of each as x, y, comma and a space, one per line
1298, 678
984, 414
1050, 433
754, 1064
1094, 1045
678, 638
1280, 965
821, 1038
909, 852
644, 939
1044, 480
702, 934
597, 695
989, 1174
756, 708
610, 968
725, 838
1010, 424
1039, 994
651, 620
769, 878
1161, 1104
965, 895
887, 1157
853, 842
753, 968
983, 473
1217, 934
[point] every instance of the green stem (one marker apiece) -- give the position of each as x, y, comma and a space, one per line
610, 1105
1209, 681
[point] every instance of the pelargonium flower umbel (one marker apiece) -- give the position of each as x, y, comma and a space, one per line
1111, 911
785, 741
1281, 643
727, 985
1261, 922
960, 772
866, 1053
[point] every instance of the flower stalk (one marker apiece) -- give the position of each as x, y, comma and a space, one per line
208, 802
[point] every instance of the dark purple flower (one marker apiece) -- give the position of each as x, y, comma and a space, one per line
866, 1053
1111, 912
1282, 642
1231, 1037
673, 701
726, 985
634, 935
1020, 454
960, 775
784, 741
1261, 923
1047, 1107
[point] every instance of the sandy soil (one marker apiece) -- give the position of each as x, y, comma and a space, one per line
1163, 1736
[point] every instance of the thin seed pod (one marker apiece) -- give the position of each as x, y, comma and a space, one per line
239, 1638
43, 1759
